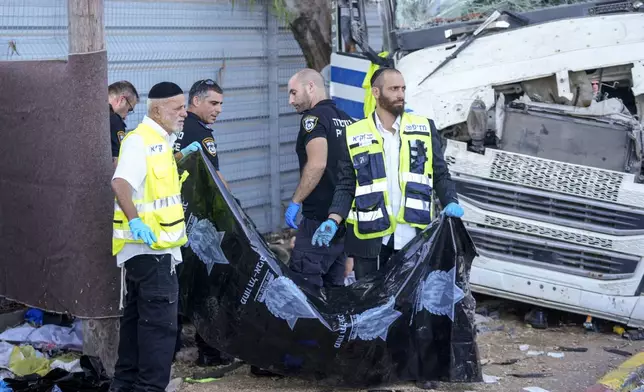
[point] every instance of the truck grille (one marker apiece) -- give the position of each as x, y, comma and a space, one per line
572, 212
557, 176
555, 255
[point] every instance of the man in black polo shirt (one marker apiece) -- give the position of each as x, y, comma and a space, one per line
204, 105
122, 97
320, 139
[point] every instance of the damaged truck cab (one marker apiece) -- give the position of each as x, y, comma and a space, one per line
540, 108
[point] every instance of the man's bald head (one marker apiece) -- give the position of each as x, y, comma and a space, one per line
308, 75
305, 89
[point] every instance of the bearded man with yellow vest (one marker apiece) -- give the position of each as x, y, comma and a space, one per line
149, 230
386, 178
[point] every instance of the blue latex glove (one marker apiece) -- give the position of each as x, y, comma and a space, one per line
4, 387
291, 214
324, 234
141, 231
453, 210
34, 317
190, 148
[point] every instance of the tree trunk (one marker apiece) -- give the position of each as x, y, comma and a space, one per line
86, 27
101, 339
311, 27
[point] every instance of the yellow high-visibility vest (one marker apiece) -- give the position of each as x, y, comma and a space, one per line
371, 213
161, 207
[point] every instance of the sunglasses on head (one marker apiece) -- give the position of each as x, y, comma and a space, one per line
208, 82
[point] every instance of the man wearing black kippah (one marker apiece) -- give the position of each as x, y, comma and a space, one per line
148, 231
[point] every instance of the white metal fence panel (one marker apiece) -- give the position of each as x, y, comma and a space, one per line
184, 41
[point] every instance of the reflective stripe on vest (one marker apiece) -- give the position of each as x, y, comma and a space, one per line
366, 189
371, 213
154, 205
161, 207
163, 235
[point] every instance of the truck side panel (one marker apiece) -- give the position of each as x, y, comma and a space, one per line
347, 75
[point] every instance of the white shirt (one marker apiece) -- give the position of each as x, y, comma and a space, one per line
132, 167
391, 146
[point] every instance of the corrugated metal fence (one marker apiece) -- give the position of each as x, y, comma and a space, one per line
184, 41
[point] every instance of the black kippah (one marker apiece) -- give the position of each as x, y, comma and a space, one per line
164, 90
377, 74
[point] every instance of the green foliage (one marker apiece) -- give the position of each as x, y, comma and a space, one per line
279, 9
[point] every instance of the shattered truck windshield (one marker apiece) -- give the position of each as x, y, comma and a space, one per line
412, 14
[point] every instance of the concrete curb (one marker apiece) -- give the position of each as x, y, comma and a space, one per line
625, 378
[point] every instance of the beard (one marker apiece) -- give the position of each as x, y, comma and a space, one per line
303, 105
393, 106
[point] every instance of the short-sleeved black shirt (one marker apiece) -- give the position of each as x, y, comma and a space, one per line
194, 130
327, 121
117, 132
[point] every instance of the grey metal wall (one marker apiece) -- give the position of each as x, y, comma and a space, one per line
184, 41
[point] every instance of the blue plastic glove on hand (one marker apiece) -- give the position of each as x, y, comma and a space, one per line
190, 148
141, 231
34, 317
291, 214
324, 234
453, 210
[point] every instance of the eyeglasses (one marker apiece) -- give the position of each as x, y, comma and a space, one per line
131, 109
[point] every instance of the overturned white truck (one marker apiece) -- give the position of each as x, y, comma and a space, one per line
540, 107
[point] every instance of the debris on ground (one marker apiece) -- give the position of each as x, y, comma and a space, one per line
530, 375
618, 329
506, 362
490, 379
633, 335
44, 354
618, 352
572, 349
556, 355
537, 318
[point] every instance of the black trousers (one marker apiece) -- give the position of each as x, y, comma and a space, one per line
319, 266
363, 266
148, 325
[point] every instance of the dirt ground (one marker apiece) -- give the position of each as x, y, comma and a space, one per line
500, 339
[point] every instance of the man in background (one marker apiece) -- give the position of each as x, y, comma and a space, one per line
319, 142
122, 97
205, 101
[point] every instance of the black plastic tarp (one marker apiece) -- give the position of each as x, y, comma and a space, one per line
411, 321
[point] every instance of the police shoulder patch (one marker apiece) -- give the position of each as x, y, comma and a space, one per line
309, 122
210, 146
120, 135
